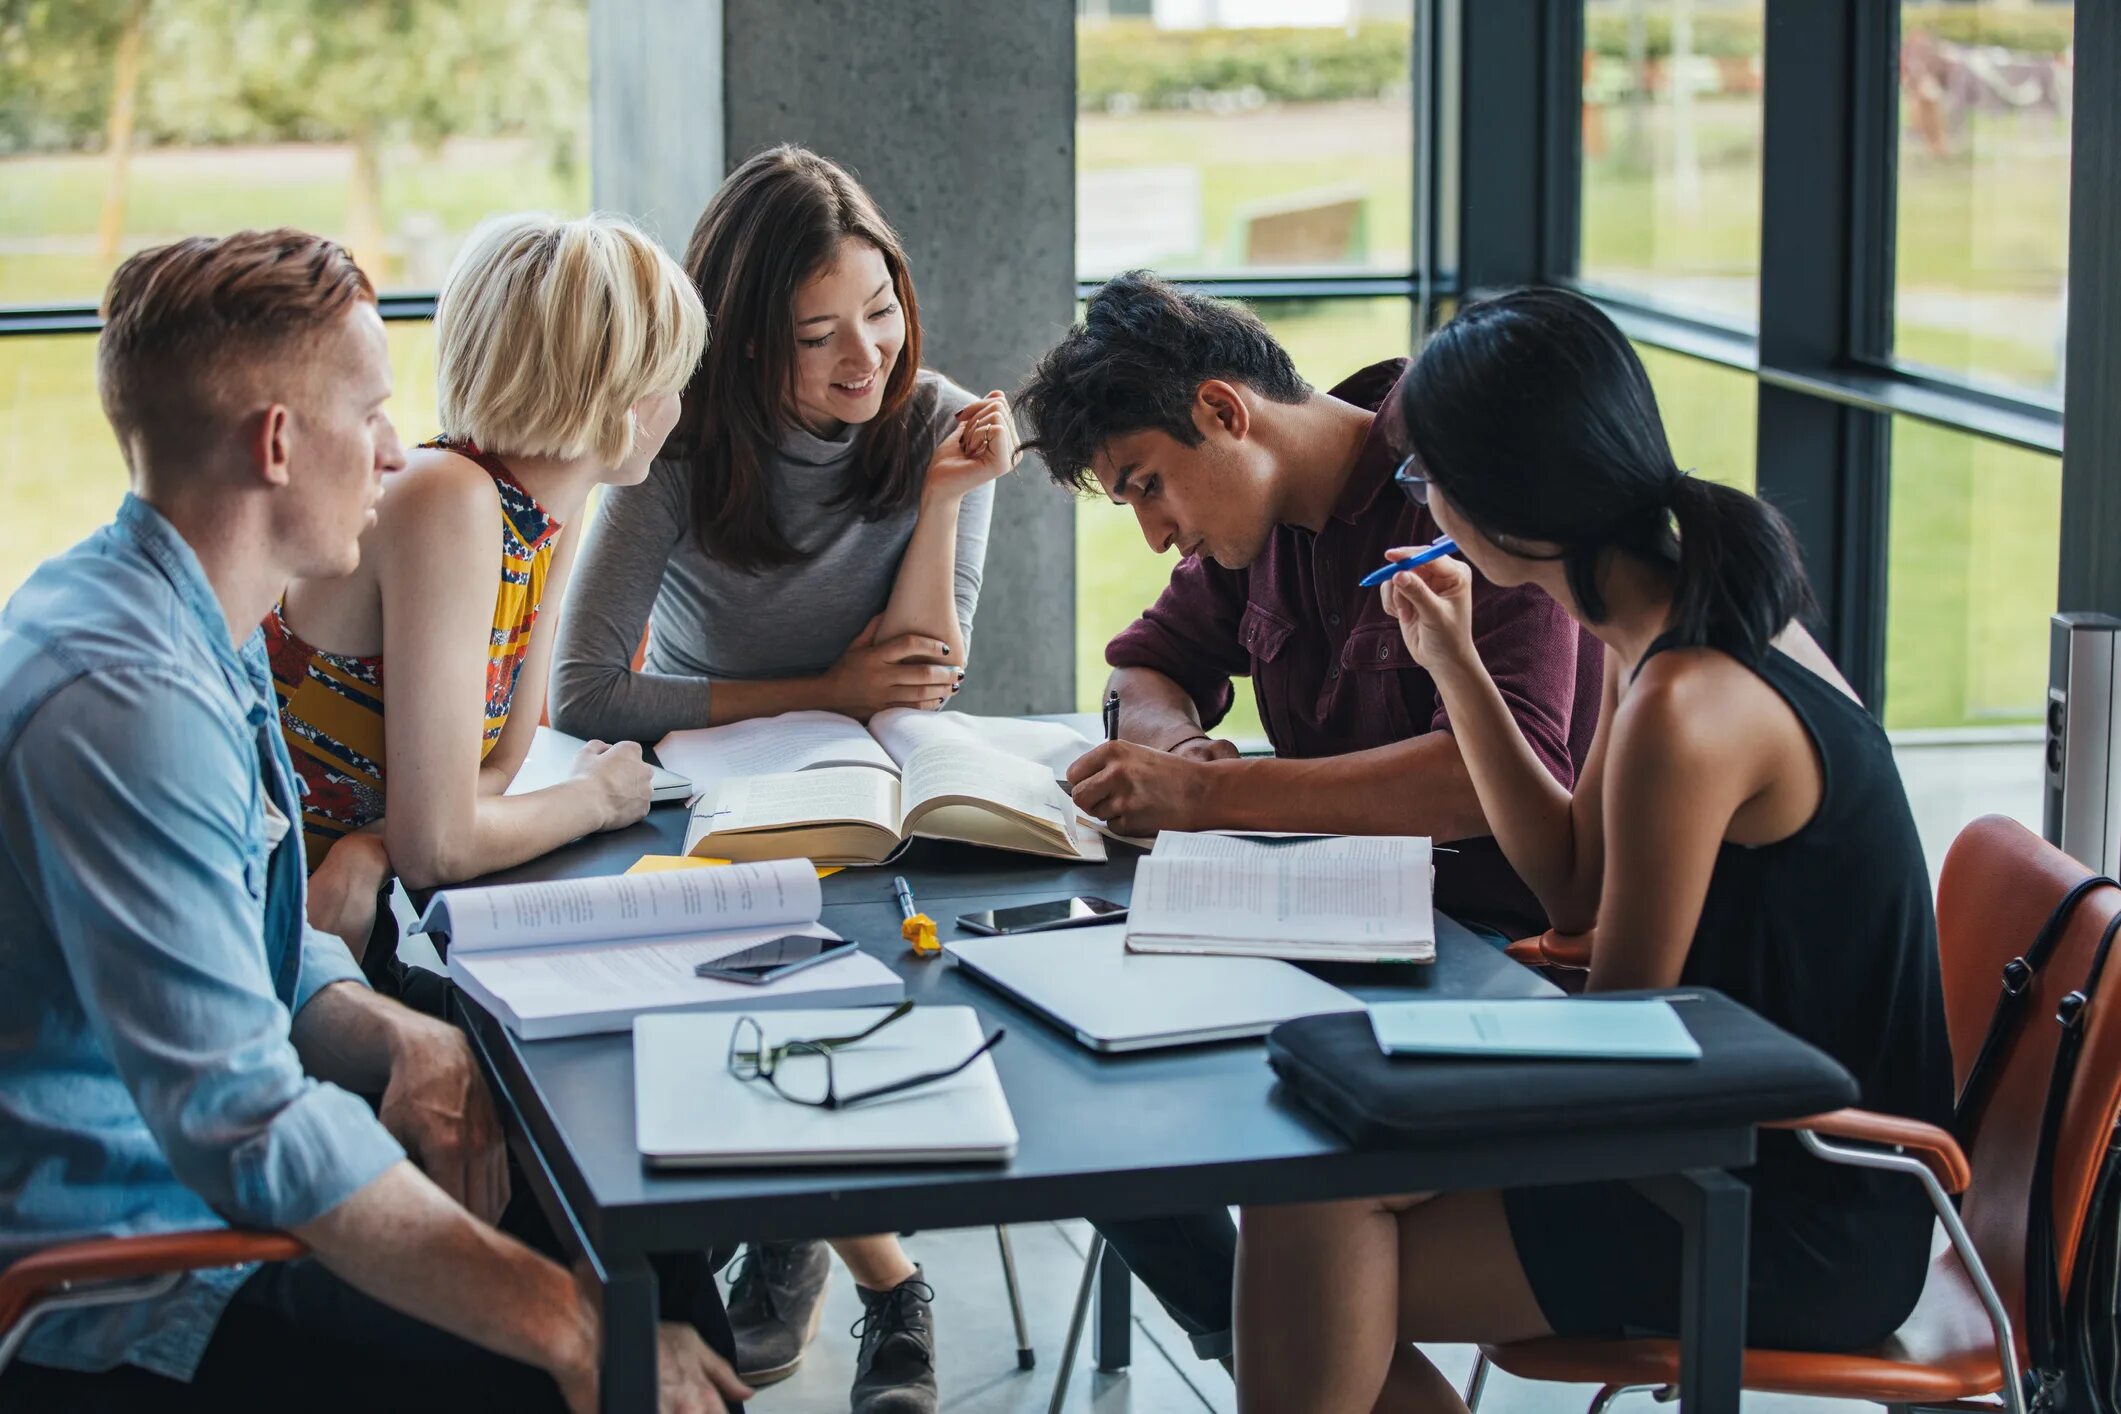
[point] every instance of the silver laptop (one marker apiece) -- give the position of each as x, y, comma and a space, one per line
1084, 981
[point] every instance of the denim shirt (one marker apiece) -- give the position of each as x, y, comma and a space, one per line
153, 948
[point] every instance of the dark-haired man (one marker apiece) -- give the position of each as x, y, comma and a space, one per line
178, 1049
1279, 498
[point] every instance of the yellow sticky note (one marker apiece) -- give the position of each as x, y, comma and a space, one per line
663, 863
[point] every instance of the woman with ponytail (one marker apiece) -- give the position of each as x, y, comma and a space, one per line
1738, 824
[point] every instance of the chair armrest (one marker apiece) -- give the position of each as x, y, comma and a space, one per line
1938, 1150
116, 1258
1567, 952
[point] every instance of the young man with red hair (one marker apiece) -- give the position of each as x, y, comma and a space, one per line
178, 1049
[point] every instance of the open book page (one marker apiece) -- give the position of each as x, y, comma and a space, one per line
1005, 784
550, 762
1353, 889
766, 746
625, 906
1053, 745
800, 798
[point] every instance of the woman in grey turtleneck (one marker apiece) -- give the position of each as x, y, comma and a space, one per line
814, 534
812, 538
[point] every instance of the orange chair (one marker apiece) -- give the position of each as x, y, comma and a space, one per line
1965, 1337
1557, 952
110, 1271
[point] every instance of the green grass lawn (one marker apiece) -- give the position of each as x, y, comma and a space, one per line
1974, 525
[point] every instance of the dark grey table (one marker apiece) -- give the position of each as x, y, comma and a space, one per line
1167, 1131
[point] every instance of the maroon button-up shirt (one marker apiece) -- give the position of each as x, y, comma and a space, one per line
1331, 672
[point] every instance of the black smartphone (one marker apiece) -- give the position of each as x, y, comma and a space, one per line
1054, 913
764, 962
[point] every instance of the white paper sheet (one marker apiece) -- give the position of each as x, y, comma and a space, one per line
1350, 889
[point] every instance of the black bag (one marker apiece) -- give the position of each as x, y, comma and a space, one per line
2075, 1346
1749, 1071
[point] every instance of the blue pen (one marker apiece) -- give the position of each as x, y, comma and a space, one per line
1443, 547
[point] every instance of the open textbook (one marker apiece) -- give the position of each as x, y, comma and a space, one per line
1349, 898
817, 785
579, 955
803, 741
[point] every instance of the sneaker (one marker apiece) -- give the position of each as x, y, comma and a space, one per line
775, 1300
895, 1371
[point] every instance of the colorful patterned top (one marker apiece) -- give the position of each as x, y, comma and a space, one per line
331, 704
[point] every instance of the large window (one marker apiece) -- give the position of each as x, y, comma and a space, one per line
1244, 135
1975, 525
1670, 187
394, 128
1249, 139
1984, 189
60, 471
125, 124
1709, 415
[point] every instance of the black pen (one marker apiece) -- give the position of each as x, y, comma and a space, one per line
1111, 716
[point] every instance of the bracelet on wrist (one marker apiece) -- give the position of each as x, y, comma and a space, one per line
1172, 749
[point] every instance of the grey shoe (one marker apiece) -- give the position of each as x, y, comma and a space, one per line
775, 1301
895, 1372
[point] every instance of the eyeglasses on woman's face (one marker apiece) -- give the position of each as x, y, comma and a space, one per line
1412, 481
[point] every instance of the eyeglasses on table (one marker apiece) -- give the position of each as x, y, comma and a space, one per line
803, 1071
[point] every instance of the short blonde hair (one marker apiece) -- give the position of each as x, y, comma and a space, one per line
549, 332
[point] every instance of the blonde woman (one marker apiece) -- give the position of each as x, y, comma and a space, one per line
564, 346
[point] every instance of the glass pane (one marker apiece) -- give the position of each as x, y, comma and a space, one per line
1671, 153
1711, 415
1971, 579
1984, 189
1116, 576
60, 472
394, 128
1222, 135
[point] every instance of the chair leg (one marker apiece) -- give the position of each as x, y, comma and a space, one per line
1076, 1322
1603, 1400
1476, 1382
1026, 1357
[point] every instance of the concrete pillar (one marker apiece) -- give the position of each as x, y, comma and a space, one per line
959, 117
655, 101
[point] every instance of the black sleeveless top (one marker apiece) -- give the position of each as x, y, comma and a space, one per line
1830, 934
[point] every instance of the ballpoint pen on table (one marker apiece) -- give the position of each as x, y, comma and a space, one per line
1443, 547
918, 928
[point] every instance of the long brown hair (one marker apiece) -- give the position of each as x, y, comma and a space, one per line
777, 221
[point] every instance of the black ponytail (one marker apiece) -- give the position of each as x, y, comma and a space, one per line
1740, 579
1533, 414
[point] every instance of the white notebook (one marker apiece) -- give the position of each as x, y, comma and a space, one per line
1348, 898
690, 1112
576, 956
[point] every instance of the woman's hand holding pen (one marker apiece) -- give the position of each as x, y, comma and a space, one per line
1434, 606
983, 446
899, 672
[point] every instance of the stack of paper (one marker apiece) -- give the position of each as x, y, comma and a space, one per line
1353, 898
